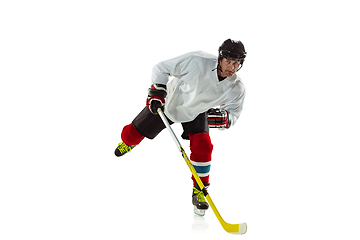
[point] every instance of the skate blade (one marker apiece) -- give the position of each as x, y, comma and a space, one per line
200, 212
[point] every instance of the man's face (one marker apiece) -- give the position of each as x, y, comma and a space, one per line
228, 67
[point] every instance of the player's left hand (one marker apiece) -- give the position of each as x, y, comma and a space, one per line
217, 118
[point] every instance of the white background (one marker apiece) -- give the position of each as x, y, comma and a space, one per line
73, 73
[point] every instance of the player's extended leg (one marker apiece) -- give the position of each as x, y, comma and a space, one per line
144, 125
201, 149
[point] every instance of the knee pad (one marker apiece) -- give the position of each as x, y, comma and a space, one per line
201, 147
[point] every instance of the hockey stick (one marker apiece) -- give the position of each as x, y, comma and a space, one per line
230, 228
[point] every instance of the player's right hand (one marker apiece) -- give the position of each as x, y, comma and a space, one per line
156, 98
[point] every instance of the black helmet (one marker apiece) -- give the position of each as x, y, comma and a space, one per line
232, 50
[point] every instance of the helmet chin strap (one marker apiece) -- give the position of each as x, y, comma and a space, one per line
218, 67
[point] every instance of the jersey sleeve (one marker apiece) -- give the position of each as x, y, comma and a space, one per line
176, 67
234, 103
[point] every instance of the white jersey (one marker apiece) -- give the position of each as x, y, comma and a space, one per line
196, 88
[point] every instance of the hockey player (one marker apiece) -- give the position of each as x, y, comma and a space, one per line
205, 92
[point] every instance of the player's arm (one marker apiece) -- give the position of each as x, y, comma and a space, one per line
160, 76
229, 111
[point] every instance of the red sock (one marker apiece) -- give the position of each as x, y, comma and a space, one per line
131, 136
205, 180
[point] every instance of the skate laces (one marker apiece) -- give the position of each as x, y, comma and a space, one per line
199, 195
124, 148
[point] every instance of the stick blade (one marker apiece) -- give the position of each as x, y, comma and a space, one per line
242, 228
235, 228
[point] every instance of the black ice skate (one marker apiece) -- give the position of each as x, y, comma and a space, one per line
122, 149
199, 202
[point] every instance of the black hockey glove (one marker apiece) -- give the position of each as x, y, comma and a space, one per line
217, 118
156, 97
